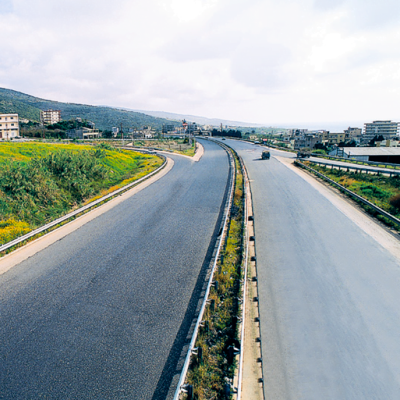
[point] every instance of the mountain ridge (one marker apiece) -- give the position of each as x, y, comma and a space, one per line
198, 119
105, 117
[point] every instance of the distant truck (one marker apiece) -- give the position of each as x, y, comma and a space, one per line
265, 155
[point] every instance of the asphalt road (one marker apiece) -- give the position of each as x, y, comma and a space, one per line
329, 293
104, 312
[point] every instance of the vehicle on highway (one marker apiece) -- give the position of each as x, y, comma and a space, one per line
265, 155
302, 154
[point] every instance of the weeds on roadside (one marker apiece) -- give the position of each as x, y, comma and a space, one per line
39, 183
219, 334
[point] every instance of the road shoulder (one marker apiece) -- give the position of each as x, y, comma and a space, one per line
364, 222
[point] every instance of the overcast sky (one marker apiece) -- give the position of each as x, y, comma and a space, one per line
276, 62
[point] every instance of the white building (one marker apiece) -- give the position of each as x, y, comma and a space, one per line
9, 126
50, 116
384, 128
114, 131
83, 133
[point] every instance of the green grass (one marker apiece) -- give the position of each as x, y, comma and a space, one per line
41, 182
220, 328
179, 146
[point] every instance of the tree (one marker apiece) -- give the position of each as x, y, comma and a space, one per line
376, 139
352, 143
230, 133
107, 134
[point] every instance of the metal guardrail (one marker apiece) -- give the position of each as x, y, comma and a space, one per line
355, 161
244, 286
66, 217
352, 194
181, 387
348, 167
239, 374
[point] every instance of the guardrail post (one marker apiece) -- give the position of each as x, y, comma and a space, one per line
216, 286
200, 352
212, 305
188, 389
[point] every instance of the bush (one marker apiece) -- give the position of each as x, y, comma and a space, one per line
11, 229
39, 183
373, 191
76, 171
394, 201
320, 151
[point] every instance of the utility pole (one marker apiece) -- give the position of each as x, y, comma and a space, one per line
122, 135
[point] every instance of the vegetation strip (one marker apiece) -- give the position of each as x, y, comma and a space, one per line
42, 183
246, 201
75, 213
181, 387
214, 362
175, 145
367, 188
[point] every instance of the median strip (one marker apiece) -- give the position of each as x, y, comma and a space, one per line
214, 364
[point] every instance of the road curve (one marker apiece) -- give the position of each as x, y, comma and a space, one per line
104, 312
328, 291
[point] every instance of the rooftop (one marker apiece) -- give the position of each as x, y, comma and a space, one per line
372, 151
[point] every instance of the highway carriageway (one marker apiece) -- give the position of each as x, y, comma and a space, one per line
328, 287
104, 312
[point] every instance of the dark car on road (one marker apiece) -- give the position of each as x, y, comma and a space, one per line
265, 155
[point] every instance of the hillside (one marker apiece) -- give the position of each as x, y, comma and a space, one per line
199, 120
29, 107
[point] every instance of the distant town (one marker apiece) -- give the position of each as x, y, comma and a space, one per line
353, 142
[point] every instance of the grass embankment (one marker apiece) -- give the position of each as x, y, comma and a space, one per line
220, 331
378, 189
41, 182
180, 146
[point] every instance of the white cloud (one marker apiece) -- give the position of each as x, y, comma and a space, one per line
315, 60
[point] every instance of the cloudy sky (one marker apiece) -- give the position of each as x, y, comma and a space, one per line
276, 62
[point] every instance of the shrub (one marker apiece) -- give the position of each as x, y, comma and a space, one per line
319, 151
10, 229
394, 201
39, 183
373, 191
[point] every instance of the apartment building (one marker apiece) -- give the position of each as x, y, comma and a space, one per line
306, 141
9, 126
50, 116
353, 132
384, 128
